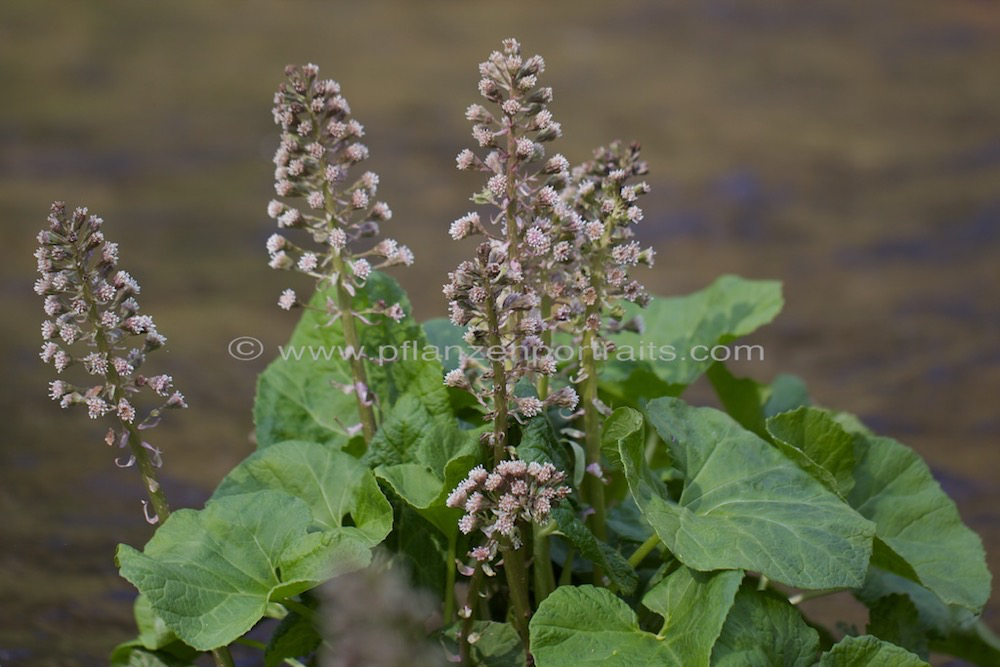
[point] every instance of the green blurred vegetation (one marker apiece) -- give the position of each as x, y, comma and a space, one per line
851, 149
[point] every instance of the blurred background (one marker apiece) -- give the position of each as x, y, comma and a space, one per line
850, 149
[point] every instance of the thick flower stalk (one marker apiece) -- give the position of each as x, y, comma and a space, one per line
94, 324
500, 504
501, 296
497, 295
320, 146
605, 198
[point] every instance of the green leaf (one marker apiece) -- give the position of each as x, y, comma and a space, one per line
131, 654
153, 632
497, 646
294, 637
422, 550
623, 425
919, 532
422, 454
951, 629
979, 645
763, 630
156, 643
727, 309
744, 505
695, 606
743, 398
919, 522
787, 393
333, 484
895, 619
614, 565
936, 618
426, 493
408, 425
301, 396
627, 522
209, 574
868, 651
820, 446
420, 449
540, 443
750, 403
420, 427
590, 626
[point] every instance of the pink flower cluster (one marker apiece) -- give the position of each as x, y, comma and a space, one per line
499, 296
496, 502
604, 195
320, 144
93, 322
559, 243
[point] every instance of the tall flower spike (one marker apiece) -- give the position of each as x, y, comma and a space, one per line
605, 195
336, 209
500, 296
94, 323
604, 198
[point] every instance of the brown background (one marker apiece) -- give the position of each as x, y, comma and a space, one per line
851, 149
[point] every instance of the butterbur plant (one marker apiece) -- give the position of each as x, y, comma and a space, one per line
525, 507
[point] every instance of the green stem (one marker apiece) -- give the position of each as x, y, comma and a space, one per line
763, 583
449, 584
812, 595
499, 381
566, 576
146, 468
517, 583
543, 380
644, 550
345, 304
593, 486
299, 608
222, 657
470, 602
545, 578
148, 471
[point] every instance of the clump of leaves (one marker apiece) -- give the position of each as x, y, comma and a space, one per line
542, 509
